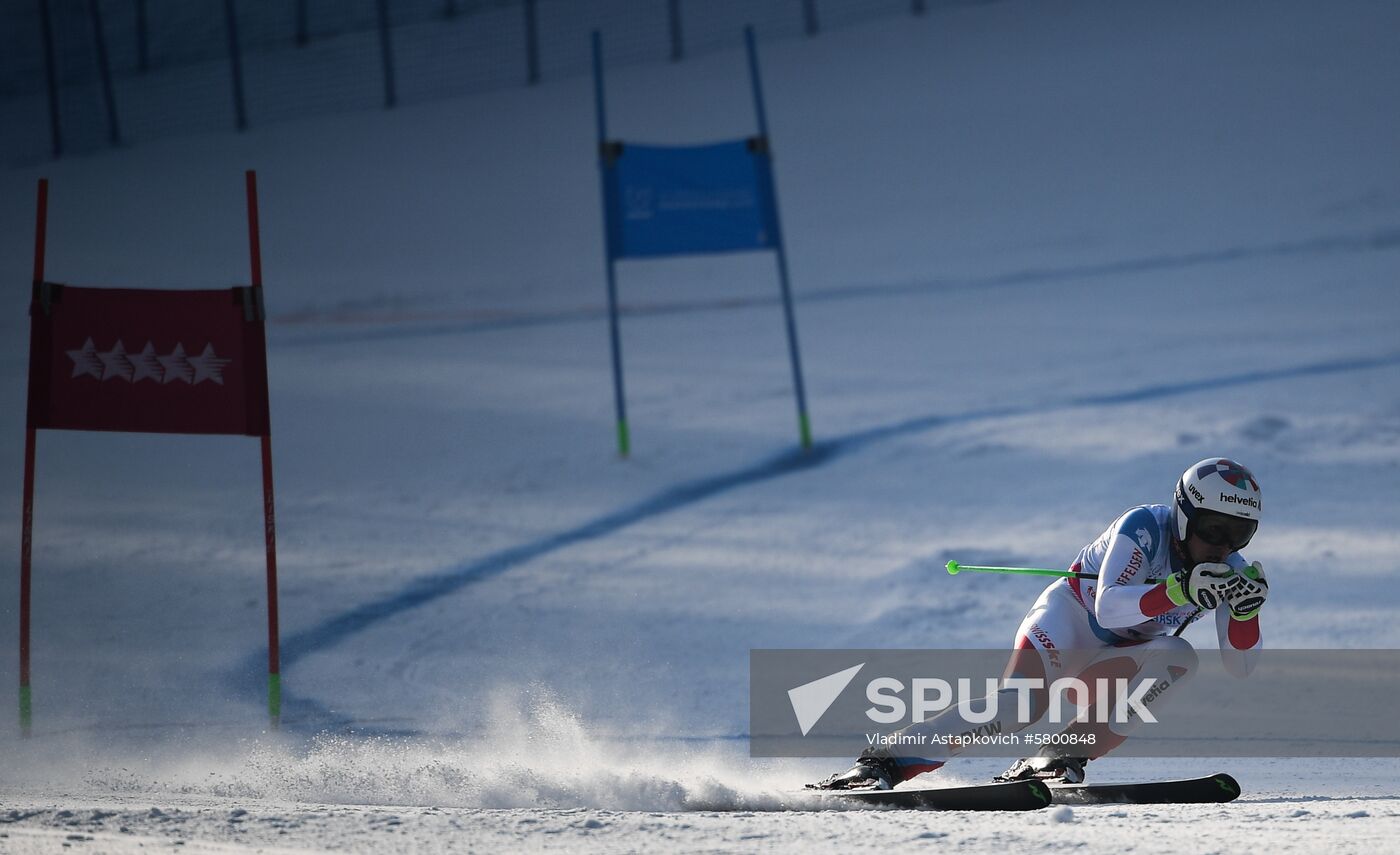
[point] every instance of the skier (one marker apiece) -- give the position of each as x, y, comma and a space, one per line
1122, 623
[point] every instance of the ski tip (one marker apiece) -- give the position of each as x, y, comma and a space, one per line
953, 568
1229, 787
1040, 792
1217, 788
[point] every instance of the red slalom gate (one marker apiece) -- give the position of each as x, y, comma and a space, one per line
154, 361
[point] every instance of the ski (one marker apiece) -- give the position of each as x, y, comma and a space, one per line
1214, 788
1016, 795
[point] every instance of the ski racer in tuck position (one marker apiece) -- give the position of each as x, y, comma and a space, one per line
1155, 569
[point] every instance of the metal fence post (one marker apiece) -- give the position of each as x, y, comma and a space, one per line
51, 75
240, 110
104, 70
677, 34
809, 17
386, 50
303, 26
143, 54
532, 45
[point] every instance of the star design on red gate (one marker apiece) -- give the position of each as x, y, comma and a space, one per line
174, 366
86, 360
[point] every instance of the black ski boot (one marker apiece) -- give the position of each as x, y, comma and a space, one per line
870, 772
1057, 770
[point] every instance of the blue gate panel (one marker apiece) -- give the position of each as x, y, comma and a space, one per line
686, 200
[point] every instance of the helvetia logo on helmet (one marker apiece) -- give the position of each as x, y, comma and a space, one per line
1231, 499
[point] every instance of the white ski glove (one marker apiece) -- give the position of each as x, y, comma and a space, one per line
1247, 597
1205, 585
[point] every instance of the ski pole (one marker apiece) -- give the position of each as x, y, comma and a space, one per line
954, 568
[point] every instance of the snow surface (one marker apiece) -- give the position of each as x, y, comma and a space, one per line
1045, 255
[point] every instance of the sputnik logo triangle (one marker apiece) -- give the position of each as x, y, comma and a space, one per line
810, 701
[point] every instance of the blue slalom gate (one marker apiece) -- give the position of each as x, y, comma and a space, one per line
689, 200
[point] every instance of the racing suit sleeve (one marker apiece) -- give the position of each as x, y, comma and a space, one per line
1123, 600
1240, 642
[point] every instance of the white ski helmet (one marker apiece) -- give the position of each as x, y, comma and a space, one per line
1216, 488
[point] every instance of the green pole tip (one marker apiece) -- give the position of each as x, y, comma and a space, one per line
624, 440
26, 711
274, 699
953, 568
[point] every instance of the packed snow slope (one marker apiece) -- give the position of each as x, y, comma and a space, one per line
1044, 254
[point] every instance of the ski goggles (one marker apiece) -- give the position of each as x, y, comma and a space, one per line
1216, 529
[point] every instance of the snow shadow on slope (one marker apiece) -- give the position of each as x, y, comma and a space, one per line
306, 713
